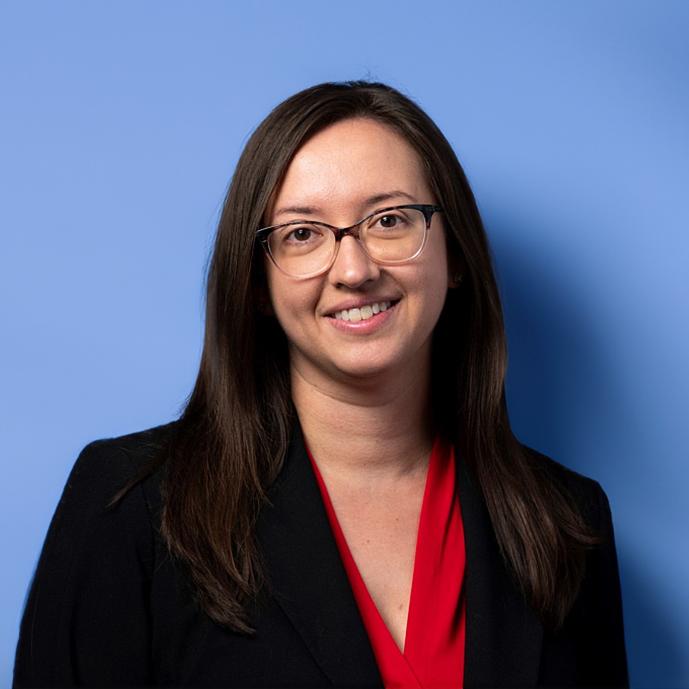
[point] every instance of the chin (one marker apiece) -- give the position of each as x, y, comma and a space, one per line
359, 371
368, 364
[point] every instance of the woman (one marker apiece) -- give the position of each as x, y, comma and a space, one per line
342, 502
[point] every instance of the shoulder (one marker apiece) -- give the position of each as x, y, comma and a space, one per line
94, 571
88, 529
85, 515
595, 622
105, 465
586, 492
116, 457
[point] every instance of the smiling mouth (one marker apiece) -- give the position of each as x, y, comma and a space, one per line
363, 313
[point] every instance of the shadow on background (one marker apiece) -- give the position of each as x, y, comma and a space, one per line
566, 396
656, 657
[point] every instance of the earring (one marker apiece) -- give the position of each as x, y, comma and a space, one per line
456, 279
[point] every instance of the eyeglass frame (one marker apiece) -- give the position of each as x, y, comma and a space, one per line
428, 209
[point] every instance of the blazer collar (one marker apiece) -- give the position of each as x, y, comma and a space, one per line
306, 575
309, 582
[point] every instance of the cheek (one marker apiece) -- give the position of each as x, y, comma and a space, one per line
435, 277
435, 299
293, 302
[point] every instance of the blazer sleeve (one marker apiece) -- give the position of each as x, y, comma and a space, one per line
86, 620
603, 627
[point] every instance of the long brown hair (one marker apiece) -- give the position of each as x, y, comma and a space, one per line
229, 443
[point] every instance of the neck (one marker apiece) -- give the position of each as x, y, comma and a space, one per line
373, 431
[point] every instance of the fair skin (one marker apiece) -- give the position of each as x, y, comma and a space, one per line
362, 394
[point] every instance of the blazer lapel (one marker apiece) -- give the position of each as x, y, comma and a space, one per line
308, 580
306, 575
503, 635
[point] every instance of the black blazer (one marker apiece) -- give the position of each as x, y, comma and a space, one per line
109, 607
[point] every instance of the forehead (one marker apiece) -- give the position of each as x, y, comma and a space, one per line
341, 167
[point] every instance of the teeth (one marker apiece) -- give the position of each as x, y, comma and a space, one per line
362, 314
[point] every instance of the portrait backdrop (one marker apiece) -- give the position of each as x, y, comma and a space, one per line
121, 126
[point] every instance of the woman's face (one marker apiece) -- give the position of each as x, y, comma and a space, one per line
334, 174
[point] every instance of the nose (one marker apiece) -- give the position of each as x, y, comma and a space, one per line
352, 267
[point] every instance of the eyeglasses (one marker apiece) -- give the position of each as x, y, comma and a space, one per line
389, 236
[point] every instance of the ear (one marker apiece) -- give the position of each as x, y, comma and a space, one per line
455, 272
454, 280
265, 306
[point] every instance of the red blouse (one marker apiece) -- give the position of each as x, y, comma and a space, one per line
433, 656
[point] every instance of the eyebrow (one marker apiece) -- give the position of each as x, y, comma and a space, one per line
370, 201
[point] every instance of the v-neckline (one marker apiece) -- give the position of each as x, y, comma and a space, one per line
415, 568
315, 591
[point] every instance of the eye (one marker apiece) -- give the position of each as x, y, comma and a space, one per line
299, 234
385, 222
389, 220
298, 238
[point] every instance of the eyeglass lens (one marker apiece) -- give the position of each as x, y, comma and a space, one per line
388, 237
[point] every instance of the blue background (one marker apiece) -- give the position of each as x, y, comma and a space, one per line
121, 125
